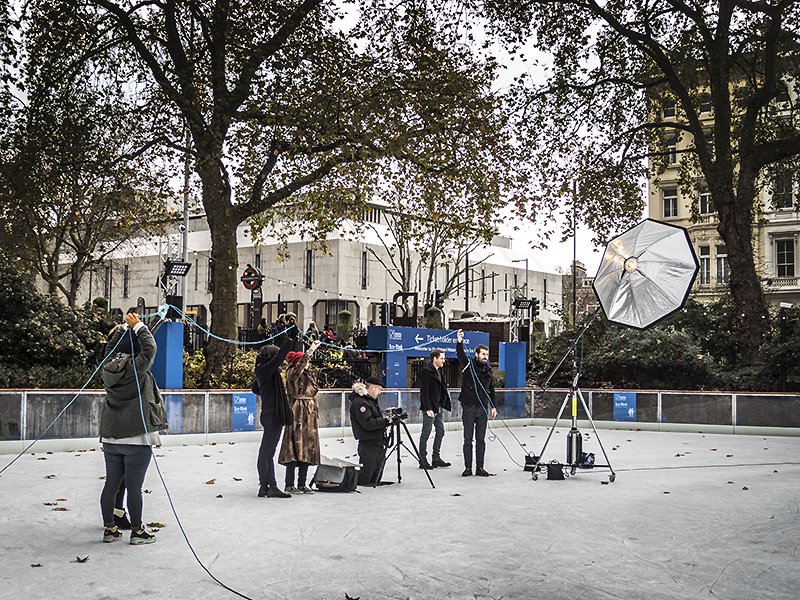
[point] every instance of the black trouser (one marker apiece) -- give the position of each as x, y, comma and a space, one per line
128, 462
266, 453
371, 455
475, 420
302, 473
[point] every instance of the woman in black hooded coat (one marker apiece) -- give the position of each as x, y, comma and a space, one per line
275, 411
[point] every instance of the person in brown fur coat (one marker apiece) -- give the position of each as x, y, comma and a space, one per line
300, 447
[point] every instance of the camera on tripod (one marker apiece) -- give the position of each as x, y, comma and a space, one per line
396, 412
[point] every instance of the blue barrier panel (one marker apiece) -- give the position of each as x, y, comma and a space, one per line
168, 365
513, 360
243, 412
624, 406
174, 406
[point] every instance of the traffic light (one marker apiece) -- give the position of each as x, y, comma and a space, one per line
438, 299
384, 313
534, 308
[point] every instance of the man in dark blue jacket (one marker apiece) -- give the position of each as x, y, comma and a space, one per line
433, 398
477, 403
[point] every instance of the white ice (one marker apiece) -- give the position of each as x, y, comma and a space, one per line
727, 529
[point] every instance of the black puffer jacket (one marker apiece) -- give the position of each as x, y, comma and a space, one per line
366, 418
433, 393
477, 383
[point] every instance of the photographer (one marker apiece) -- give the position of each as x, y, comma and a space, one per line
369, 428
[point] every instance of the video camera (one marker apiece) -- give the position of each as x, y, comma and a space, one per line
396, 412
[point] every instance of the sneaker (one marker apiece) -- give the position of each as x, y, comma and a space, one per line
481, 472
467, 472
438, 462
305, 490
273, 492
111, 535
141, 537
121, 519
290, 489
424, 465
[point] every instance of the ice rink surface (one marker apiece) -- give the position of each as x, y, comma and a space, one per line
689, 516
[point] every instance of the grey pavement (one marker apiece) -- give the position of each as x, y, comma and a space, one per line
689, 516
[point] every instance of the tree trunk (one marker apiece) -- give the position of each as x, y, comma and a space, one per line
222, 223
736, 229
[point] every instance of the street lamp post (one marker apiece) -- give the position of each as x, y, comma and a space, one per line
525, 260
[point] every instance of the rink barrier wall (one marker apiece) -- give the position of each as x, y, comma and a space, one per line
205, 415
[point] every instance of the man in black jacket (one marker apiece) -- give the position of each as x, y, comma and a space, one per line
433, 398
369, 428
477, 402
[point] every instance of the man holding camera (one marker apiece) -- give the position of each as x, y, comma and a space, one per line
369, 428
477, 403
433, 398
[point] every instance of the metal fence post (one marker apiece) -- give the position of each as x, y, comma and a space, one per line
342, 414
733, 412
23, 416
206, 406
658, 408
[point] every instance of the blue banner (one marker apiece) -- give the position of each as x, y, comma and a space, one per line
243, 412
624, 406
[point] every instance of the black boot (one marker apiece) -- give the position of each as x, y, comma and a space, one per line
273, 492
438, 462
262, 491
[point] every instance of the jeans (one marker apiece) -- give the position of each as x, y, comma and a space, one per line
302, 473
475, 420
371, 456
266, 454
128, 462
427, 424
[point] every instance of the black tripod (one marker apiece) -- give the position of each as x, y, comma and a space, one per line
574, 439
395, 443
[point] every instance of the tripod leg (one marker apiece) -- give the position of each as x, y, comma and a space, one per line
547, 441
416, 452
613, 475
394, 448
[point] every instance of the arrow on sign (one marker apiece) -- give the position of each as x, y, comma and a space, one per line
417, 338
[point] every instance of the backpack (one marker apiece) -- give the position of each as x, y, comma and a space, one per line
335, 475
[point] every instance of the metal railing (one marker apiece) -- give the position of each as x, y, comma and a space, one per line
24, 414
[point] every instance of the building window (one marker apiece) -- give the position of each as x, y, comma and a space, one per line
782, 197
209, 274
705, 104
723, 271
483, 285
372, 214
196, 273
309, 277
671, 148
670, 196
785, 257
364, 269
257, 261
108, 281
706, 207
705, 265
668, 109
126, 280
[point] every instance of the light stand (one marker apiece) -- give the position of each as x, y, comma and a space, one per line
396, 443
574, 439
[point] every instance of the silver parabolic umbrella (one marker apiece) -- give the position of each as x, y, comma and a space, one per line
646, 274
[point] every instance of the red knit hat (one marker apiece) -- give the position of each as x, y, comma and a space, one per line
294, 357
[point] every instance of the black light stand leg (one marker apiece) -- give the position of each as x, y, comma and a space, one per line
613, 475
415, 452
399, 443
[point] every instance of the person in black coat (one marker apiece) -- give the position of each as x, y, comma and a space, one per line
369, 428
433, 398
275, 411
477, 403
